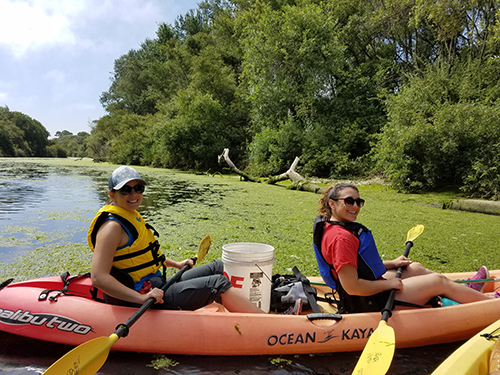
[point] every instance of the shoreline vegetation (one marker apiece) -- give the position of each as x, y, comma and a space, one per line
239, 211
352, 88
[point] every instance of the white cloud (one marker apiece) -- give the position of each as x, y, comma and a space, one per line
55, 75
57, 56
33, 24
91, 25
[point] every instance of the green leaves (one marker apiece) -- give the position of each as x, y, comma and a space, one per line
345, 85
20, 135
436, 139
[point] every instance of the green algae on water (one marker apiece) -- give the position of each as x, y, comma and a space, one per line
185, 207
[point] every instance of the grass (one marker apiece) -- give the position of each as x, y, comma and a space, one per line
186, 207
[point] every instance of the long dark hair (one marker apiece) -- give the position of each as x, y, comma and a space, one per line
332, 192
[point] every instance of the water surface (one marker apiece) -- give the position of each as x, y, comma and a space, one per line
44, 205
21, 356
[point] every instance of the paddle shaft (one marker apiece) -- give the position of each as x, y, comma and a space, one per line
386, 312
122, 329
89, 357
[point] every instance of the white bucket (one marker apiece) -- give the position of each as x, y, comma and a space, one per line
249, 267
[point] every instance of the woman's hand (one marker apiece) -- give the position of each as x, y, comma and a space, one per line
184, 262
400, 261
394, 284
155, 293
179, 265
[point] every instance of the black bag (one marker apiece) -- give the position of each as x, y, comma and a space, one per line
285, 289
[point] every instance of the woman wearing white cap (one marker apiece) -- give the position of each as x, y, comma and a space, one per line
127, 259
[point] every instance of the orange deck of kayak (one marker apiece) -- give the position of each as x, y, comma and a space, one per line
73, 320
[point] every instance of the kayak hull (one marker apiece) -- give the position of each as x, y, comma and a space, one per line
473, 357
75, 318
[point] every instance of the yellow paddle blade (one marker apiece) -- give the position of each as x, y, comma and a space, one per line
85, 359
203, 249
414, 233
379, 350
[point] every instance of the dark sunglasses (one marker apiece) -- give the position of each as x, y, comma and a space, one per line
349, 201
127, 189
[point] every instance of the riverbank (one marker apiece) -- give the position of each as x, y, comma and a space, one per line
185, 207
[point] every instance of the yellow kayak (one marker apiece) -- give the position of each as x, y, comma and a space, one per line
473, 357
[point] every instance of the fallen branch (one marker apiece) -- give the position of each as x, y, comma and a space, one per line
225, 156
288, 175
298, 182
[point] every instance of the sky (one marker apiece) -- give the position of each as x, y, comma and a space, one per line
57, 56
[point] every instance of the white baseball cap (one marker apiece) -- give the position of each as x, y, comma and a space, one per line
122, 175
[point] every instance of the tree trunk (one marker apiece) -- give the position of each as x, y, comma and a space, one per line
225, 156
298, 182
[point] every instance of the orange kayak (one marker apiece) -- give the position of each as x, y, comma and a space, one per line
36, 309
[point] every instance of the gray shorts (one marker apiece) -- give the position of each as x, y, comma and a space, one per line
196, 288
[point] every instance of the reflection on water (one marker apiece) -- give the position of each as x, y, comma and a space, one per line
53, 203
42, 187
42, 204
23, 356
18, 189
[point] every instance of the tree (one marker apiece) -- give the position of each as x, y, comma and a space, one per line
73, 145
35, 134
56, 151
435, 138
307, 94
21, 135
193, 138
97, 144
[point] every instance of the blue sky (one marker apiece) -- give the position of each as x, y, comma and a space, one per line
57, 56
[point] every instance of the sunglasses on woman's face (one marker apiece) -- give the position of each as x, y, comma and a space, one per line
127, 189
349, 201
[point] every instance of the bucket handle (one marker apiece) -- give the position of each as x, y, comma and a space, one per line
256, 263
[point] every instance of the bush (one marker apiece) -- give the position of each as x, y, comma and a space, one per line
431, 143
193, 133
274, 149
56, 151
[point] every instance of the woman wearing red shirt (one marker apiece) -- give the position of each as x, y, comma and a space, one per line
340, 250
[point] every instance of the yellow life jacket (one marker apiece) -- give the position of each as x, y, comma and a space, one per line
140, 258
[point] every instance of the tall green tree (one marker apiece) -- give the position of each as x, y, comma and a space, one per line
21, 135
10, 135
67, 144
436, 134
183, 85
309, 96
442, 133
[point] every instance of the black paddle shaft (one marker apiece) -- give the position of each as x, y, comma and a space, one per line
386, 311
122, 329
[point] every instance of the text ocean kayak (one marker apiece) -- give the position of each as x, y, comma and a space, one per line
75, 318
